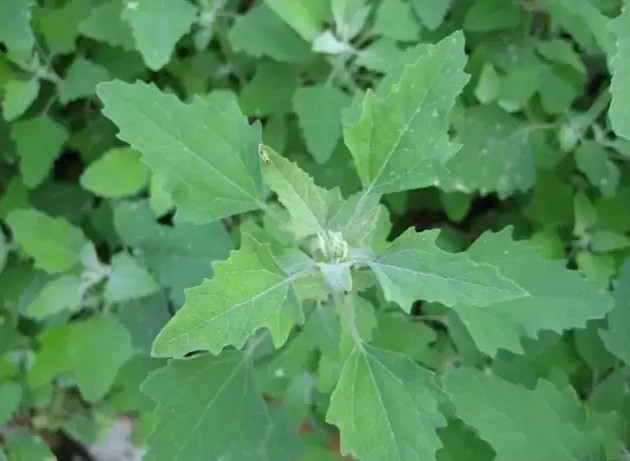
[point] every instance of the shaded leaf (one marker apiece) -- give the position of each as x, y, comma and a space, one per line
91, 350
54, 243
38, 153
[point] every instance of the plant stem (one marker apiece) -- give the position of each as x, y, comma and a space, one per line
342, 302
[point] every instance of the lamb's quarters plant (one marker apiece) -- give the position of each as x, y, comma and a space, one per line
386, 230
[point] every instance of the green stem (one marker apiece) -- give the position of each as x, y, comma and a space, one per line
226, 47
343, 302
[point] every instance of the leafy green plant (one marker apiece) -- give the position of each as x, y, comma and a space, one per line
265, 229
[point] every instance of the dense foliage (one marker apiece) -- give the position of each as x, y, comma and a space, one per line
394, 230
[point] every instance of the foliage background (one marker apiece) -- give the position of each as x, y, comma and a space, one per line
94, 261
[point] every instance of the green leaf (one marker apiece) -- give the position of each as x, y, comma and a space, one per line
81, 79
192, 395
206, 151
592, 159
18, 96
157, 26
394, 19
54, 243
431, 12
400, 142
180, 256
270, 90
303, 16
15, 24
160, 201
247, 292
306, 203
386, 407
580, 17
61, 294
519, 85
491, 15
399, 333
23, 445
105, 24
4, 251
562, 52
413, 267
60, 26
318, 108
128, 280
38, 153
116, 174
487, 89
144, 318
10, 399
526, 424
360, 219
462, 444
615, 336
379, 55
496, 155
620, 69
558, 299
15, 196
259, 32
91, 350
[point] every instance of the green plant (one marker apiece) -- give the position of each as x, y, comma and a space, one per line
410, 187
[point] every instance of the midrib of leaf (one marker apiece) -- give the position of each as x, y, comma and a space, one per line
379, 398
197, 154
211, 402
391, 152
436, 276
320, 229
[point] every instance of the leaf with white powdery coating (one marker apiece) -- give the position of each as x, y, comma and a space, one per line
157, 25
247, 292
497, 154
206, 151
400, 142
306, 203
414, 267
386, 407
557, 299
207, 408
54, 243
620, 68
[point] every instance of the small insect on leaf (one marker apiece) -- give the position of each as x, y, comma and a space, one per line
264, 155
